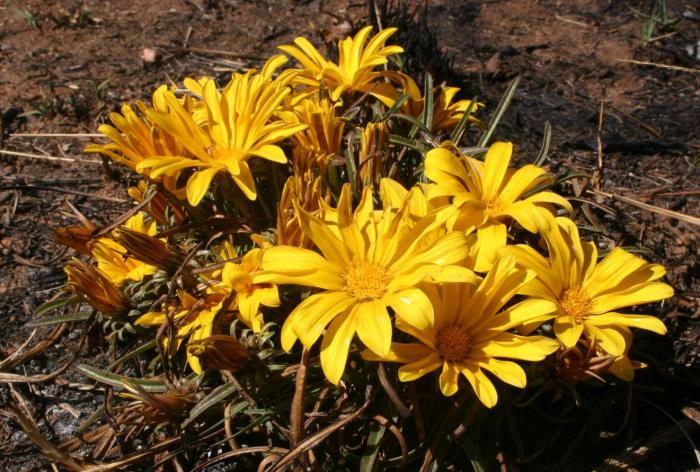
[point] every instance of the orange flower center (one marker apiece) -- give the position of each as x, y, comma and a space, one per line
453, 343
366, 281
575, 303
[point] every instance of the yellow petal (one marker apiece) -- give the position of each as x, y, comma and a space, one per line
636, 295
419, 368
650, 323
374, 326
404, 353
509, 372
293, 265
270, 152
513, 346
312, 315
495, 167
449, 379
413, 307
335, 346
609, 339
491, 238
481, 384
567, 330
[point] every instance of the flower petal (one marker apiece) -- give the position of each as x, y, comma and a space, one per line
335, 346
412, 306
374, 326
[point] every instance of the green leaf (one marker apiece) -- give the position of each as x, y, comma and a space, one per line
152, 386
417, 124
50, 320
500, 110
401, 141
53, 304
457, 133
372, 449
427, 115
545, 144
395, 107
130, 355
217, 395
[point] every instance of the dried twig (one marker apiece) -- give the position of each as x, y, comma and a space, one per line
660, 66
62, 190
694, 220
47, 158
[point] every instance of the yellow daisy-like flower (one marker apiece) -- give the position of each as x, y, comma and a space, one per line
191, 317
589, 293
113, 260
134, 139
447, 111
488, 193
355, 70
470, 334
368, 263
224, 131
249, 295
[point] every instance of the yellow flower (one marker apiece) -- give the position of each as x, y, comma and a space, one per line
470, 334
446, 111
114, 261
320, 142
487, 193
249, 295
369, 261
357, 61
224, 130
134, 139
587, 292
192, 317
96, 289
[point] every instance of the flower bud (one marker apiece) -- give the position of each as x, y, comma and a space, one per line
220, 352
96, 289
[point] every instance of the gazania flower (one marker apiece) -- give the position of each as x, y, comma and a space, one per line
318, 144
95, 288
114, 261
471, 335
224, 130
135, 139
355, 70
192, 317
369, 262
446, 111
589, 293
249, 295
489, 193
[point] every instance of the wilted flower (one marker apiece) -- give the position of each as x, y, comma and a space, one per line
220, 352
95, 288
75, 237
157, 408
150, 250
305, 192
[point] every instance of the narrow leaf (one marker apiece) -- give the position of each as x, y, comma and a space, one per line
457, 133
500, 110
53, 304
372, 448
50, 320
152, 386
395, 107
544, 150
215, 396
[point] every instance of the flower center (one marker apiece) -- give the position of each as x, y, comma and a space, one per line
494, 207
366, 281
453, 343
575, 303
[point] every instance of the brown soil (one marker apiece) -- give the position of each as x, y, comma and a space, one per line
63, 68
